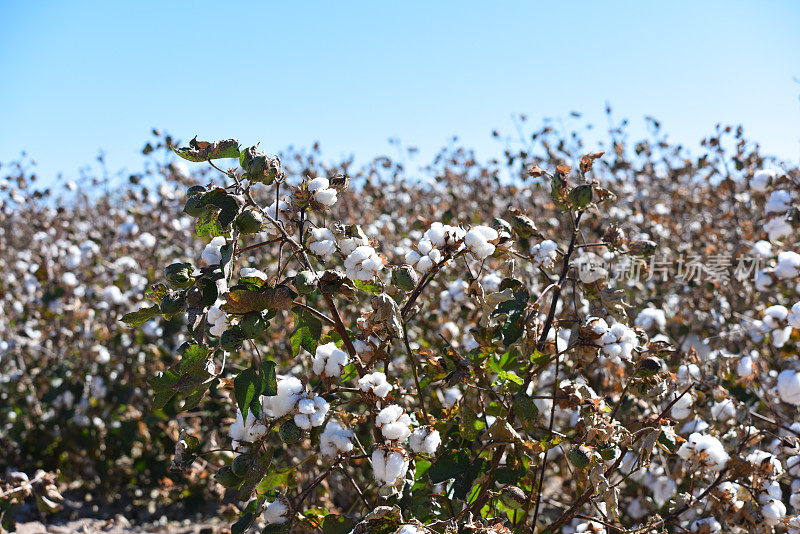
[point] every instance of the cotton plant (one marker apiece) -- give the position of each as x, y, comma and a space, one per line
483, 355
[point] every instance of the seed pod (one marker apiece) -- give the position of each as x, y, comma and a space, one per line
289, 432
580, 196
179, 275
228, 478
231, 339
241, 465
513, 497
253, 324
172, 303
249, 222
404, 278
305, 282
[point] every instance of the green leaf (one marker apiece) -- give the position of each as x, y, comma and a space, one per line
367, 287
510, 376
199, 151
337, 524
208, 226
269, 380
254, 477
141, 316
307, 331
227, 204
246, 388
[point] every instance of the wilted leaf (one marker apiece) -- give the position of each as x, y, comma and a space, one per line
241, 300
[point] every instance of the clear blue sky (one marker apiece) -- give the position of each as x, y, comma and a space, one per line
82, 76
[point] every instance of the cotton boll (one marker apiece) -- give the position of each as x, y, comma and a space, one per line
789, 387
682, 409
329, 360
335, 440
389, 465
249, 272
780, 201
763, 249
544, 253
704, 450
723, 410
376, 383
746, 367
707, 525
212, 253
363, 263
773, 512
478, 241
424, 440
794, 316
591, 268
277, 512
777, 228
394, 423
323, 242
762, 179
217, 319
651, 318
788, 266
247, 430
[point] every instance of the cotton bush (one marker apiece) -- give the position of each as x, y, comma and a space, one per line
341, 346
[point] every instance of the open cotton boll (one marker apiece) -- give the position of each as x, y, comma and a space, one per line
682, 408
763, 248
251, 272
706, 525
247, 430
779, 202
544, 253
773, 511
788, 265
478, 240
375, 382
394, 423
321, 192
789, 387
312, 413
363, 263
761, 180
440, 234
335, 440
746, 367
389, 465
424, 440
704, 450
323, 242
775, 319
277, 511
794, 316
217, 319
285, 400
777, 228
651, 318
212, 254
591, 268
329, 360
